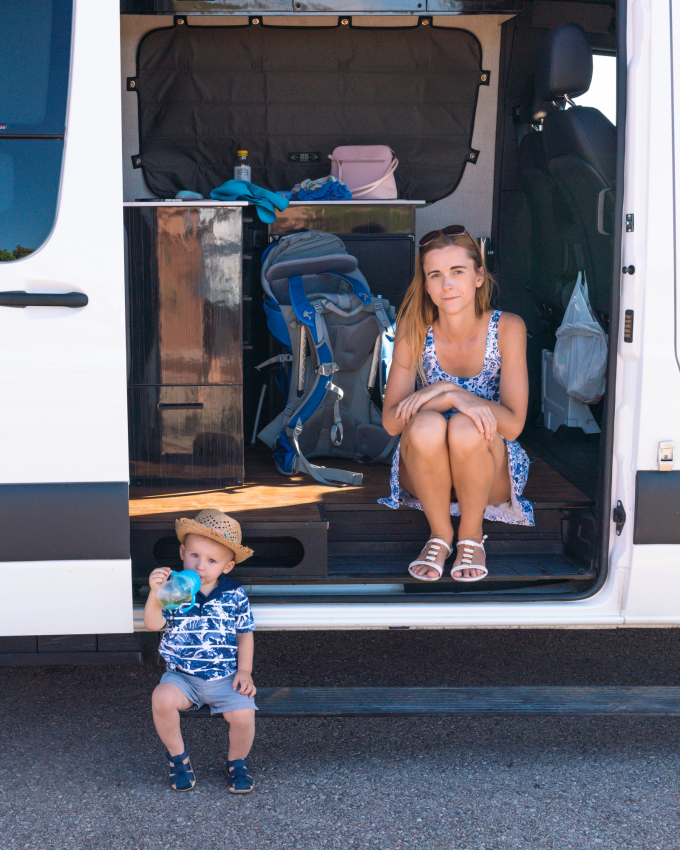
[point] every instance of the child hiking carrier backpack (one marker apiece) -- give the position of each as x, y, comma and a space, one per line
338, 339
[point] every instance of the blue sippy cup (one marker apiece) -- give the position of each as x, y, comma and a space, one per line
180, 590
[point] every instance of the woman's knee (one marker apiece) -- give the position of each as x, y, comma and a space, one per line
464, 437
426, 431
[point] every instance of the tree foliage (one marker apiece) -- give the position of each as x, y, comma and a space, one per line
17, 254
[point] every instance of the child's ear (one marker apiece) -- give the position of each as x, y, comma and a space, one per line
228, 567
182, 550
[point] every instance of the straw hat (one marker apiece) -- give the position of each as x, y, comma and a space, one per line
215, 526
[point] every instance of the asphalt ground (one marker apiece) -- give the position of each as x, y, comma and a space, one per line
80, 766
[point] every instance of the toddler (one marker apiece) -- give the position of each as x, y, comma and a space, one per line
208, 649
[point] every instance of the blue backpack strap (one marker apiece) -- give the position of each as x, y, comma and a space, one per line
361, 290
276, 323
312, 318
298, 298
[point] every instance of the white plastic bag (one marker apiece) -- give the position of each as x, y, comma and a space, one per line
580, 358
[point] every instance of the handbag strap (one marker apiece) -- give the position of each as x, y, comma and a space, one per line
369, 187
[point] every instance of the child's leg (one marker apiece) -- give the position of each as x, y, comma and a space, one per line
167, 701
241, 732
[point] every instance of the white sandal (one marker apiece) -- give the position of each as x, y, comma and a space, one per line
466, 563
431, 559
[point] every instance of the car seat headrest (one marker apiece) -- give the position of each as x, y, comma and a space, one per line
564, 65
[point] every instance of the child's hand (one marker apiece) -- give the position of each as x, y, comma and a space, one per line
158, 577
243, 684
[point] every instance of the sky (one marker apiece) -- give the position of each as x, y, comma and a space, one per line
602, 92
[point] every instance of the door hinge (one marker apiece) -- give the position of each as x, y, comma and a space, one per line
630, 223
666, 455
619, 517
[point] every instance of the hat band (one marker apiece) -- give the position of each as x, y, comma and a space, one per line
221, 533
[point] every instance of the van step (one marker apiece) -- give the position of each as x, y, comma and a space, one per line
284, 548
503, 567
371, 702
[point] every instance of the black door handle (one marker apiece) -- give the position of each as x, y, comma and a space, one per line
43, 299
628, 269
186, 405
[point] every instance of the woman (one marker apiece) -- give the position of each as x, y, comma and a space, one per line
458, 453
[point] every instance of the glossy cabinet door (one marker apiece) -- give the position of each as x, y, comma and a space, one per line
185, 345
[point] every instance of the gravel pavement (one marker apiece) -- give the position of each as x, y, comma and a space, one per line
82, 768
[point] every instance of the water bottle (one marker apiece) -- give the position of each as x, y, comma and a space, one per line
242, 167
179, 590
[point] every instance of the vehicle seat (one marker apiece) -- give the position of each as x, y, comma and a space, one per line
552, 228
580, 145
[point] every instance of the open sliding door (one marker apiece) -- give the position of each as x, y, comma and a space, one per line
64, 531
648, 379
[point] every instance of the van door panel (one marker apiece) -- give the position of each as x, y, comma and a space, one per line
63, 432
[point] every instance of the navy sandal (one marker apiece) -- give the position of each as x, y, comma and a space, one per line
181, 775
240, 778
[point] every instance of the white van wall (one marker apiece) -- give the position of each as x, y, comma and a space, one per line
472, 202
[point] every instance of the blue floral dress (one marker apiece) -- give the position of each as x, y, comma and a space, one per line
486, 384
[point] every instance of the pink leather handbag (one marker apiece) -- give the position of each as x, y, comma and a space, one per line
367, 170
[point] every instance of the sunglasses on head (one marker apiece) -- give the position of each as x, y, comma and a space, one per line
451, 230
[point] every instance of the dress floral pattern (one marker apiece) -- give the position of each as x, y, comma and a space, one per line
517, 511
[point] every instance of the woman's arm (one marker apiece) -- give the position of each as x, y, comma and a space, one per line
509, 416
514, 390
401, 402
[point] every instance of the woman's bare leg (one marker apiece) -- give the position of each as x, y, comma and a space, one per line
426, 474
479, 472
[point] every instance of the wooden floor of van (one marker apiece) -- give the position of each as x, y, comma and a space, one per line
305, 533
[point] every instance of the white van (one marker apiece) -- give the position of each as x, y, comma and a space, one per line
131, 321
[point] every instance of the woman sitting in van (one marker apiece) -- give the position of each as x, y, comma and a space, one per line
458, 454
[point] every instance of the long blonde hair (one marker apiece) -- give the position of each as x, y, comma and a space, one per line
418, 311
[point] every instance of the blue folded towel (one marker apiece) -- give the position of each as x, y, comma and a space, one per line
189, 195
266, 202
325, 189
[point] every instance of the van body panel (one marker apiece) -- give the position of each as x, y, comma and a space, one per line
66, 597
648, 380
653, 593
602, 610
63, 377
64, 369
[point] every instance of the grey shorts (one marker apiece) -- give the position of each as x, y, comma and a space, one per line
219, 694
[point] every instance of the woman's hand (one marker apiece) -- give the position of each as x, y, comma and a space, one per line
480, 411
408, 407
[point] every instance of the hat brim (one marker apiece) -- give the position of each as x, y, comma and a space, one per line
186, 526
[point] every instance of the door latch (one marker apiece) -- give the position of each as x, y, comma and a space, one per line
619, 517
666, 455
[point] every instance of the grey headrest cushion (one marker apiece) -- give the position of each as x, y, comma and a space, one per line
564, 64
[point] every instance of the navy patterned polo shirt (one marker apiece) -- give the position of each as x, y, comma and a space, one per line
202, 640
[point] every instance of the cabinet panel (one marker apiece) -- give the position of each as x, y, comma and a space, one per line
181, 434
184, 295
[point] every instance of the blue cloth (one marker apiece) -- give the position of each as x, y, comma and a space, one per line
202, 640
326, 189
266, 202
189, 195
